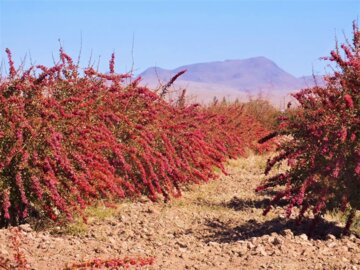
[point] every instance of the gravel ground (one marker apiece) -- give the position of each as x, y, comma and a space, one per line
214, 226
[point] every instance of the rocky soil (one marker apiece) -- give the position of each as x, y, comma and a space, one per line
214, 226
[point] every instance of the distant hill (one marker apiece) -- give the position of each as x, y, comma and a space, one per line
232, 79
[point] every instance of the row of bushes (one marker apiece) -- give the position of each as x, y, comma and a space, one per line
69, 137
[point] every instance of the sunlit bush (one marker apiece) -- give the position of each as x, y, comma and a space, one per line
323, 146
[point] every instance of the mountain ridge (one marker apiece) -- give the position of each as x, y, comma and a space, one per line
233, 78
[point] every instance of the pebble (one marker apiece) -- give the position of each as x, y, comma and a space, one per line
99, 250
352, 237
330, 237
250, 245
277, 241
260, 250
25, 228
288, 233
303, 237
331, 245
242, 250
184, 245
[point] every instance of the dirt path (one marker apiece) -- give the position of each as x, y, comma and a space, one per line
214, 226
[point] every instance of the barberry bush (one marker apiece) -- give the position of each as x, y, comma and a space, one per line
321, 142
71, 136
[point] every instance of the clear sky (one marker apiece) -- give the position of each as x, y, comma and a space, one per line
171, 33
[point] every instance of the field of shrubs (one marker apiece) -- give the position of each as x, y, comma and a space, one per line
73, 138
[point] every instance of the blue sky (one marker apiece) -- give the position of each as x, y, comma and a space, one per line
171, 33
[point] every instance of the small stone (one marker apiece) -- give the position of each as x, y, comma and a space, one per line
351, 246
352, 237
271, 239
214, 244
253, 240
99, 250
152, 210
25, 228
43, 245
250, 245
122, 218
113, 223
143, 199
326, 252
184, 245
288, 233
303, 237
330, 237
265, 238
277, 241
260, 250
183, 256
241, 250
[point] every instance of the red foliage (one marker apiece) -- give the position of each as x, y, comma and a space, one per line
68, 139
19, 262
112, 263
323, 146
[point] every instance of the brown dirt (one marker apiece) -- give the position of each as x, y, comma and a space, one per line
214, 226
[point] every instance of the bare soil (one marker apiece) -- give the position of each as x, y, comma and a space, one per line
214, 226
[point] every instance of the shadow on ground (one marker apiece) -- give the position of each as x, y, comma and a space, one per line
239, 204
225, 233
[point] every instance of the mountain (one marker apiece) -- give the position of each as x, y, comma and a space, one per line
231, 79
